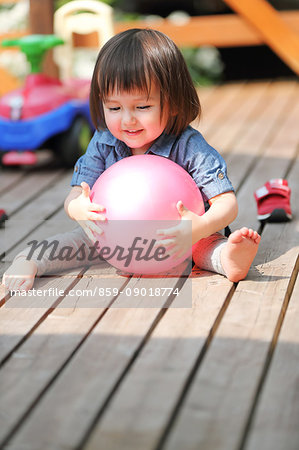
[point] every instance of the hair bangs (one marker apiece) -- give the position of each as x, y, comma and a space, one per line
124, 70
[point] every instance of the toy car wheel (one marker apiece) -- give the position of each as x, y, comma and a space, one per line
71, 144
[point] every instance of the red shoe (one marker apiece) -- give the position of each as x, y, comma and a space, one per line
273, 201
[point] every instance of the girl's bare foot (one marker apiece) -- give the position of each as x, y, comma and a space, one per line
239, 252
20, 275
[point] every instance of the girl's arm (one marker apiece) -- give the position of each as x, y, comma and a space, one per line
222, 212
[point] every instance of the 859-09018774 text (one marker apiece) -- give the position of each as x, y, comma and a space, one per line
136, 292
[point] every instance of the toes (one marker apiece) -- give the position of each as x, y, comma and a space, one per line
254, 236
244, 231
250, 233
258, 238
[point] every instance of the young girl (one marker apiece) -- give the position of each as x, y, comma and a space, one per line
142, 101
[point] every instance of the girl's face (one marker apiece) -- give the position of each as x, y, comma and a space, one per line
135, 118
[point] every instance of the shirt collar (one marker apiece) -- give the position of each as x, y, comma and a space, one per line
162, 146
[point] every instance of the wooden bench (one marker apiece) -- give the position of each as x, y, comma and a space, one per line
88, 372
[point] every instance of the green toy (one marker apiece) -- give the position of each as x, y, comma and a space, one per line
34, 47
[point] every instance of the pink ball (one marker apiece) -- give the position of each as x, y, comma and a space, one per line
140, 194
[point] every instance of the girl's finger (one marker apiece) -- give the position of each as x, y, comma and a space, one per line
181, 208
96, 216
168, 232
85, 189
96, 207
164, 243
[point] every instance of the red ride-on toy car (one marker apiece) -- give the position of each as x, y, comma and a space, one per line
45, 112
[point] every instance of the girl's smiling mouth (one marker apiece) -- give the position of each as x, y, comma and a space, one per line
133, 132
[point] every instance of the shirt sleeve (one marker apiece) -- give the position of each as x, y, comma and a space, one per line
207, 167
89, 166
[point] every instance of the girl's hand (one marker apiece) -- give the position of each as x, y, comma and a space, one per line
178, 240
223, 210
86, 213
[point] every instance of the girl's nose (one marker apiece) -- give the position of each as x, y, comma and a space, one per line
128, 118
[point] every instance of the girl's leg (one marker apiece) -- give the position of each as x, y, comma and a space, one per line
230, 256
206, 253
60, 252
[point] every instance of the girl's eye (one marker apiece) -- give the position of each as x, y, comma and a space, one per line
143, 107
116, 108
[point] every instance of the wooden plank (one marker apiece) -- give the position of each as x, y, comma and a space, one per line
275, 424
94, 371
227, 30
9, 178
38, 229
17, 323
59, 334
276, 34
214, 109
228, 129
28, 188
33, 214
218, 404
140, 409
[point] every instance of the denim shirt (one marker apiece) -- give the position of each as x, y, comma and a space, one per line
190, 150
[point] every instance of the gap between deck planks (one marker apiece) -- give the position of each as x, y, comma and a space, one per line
63, 433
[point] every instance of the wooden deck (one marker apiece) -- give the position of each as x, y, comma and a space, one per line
101, 373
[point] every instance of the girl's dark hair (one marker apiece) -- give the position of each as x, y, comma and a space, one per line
133, 60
